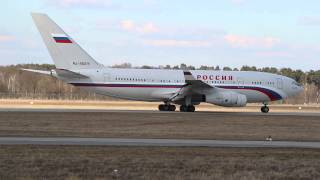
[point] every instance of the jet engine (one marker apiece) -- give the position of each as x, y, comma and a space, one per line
227, 99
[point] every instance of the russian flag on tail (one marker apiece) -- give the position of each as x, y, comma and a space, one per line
61, 38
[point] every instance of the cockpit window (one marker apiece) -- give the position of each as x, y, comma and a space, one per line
296, 83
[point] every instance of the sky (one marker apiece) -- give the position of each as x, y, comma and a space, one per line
230, 33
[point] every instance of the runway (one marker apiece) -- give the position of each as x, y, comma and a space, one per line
154, 142
154, 128
58, 110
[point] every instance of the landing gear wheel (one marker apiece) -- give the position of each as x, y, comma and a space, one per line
164, 107
265, 109
184, 108
191, 108
172, 107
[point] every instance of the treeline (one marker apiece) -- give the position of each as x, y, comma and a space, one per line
15, 83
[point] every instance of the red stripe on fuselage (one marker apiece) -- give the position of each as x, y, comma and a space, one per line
272, 96
267, 92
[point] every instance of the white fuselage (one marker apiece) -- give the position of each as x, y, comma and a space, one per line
187, 88
160, 84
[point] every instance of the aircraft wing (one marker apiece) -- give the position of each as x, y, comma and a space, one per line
195, 83
192, 87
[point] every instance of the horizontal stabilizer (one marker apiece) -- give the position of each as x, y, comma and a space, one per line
39, 71
67, 74
60, 73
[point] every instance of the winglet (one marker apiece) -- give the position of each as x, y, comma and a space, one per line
190, 80
188, 76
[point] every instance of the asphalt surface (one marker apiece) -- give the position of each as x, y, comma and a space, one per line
302, 113
154, 142
157, 142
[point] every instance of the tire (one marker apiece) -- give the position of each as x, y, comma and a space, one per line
172, 107
166, 108
183, 108
265, 109
161, 107
191, 108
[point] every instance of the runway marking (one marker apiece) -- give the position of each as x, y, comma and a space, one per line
154, 142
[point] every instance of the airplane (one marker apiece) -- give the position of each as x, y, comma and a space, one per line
186, 88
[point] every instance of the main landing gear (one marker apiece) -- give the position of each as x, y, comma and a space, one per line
167, 107
170, 107
189, 108
265, 108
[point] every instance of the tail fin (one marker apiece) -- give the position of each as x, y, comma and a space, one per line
64, 51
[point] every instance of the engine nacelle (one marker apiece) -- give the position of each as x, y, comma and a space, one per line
227, 99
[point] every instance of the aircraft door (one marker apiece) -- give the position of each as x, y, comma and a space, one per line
279, 83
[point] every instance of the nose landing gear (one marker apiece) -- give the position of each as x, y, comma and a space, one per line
265, 108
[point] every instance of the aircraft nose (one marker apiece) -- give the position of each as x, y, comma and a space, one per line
300, 89
296, 88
